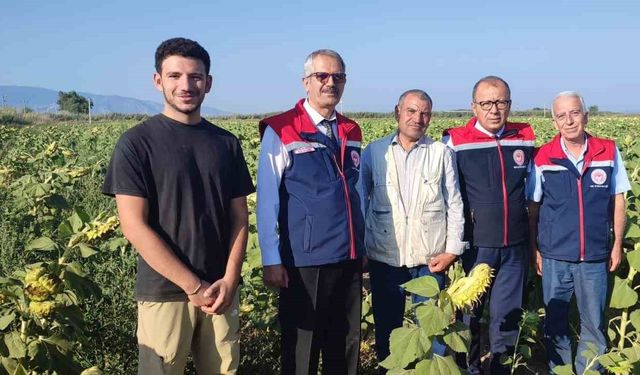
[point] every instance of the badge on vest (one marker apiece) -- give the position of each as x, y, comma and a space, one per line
599, 177
355, 158
303, 150
519, 158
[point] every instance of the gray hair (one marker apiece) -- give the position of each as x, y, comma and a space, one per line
420, 93
492, 80
569, 94
308, 63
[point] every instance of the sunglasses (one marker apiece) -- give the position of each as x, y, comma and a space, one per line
324, 77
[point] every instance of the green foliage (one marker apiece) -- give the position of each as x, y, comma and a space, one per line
73, 102
411, 346
50, 178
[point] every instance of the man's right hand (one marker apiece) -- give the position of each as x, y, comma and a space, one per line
199, 298
536, 262
275, 276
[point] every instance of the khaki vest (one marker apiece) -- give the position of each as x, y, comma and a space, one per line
410, 238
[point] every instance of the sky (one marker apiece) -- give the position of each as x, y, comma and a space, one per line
258, 48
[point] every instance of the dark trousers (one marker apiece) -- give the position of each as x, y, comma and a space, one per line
320, 313
505, 302
388, 300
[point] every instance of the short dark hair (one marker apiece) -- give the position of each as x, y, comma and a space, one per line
493, 80
181, 47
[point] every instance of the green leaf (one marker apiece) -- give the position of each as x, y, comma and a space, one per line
633, 257
564, 370
85, 250
92, 371
64, 230
634, 318
17, 348
57, 201
9, 364
405, 348
425, 286
78, 219
432, 319
119, 242
525, 351
59, 341
623, 295
82, 286
632, 353
42, 243
20, 370
438, 366
6, 320
457, 337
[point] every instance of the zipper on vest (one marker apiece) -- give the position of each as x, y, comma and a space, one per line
581, 208
505, 204
352, 250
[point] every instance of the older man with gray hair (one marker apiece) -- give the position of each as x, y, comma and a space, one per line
310, 226
413, 210
576, 196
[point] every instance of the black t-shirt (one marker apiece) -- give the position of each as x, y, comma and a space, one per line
189, 174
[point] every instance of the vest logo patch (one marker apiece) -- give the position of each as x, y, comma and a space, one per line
355, 158
303, 150
599, 176
518, 157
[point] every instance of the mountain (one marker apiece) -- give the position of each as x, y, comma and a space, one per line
44, 100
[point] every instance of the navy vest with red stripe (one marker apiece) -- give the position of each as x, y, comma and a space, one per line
320, 219
576, 208
492, 174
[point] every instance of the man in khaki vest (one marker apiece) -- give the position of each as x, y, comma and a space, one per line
413, 213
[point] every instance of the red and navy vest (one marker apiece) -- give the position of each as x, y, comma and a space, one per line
492, 174
320, 220
576, 208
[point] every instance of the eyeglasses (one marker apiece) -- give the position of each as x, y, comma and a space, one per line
488, 104
562, 117
324, 77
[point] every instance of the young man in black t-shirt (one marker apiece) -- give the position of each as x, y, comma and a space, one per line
180, 185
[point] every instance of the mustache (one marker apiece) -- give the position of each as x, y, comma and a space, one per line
330, 90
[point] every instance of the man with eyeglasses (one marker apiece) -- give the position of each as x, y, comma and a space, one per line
310, 225
413, 213
493, 157
576, 197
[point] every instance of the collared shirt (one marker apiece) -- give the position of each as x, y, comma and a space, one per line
406, 162
406, 166
619, 182
272, 162
447, 139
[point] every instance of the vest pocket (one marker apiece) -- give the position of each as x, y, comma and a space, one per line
433, 231
380, 237
308, 226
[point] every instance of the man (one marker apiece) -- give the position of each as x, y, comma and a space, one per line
577, 195
493, 156
180, 185
310, 226
413, 210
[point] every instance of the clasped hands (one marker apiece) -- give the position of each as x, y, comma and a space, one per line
214, 298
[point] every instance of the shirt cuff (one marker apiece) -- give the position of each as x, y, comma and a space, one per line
270, 257
456, 247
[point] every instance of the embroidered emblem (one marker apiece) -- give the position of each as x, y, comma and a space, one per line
599, 176
355, 157
303, 150
518, 157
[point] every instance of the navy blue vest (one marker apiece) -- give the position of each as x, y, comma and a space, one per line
492, 174
576, 208
320, 219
